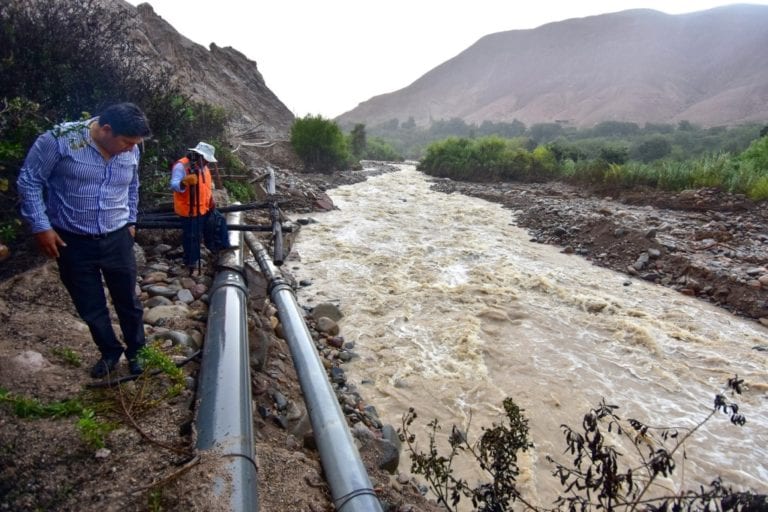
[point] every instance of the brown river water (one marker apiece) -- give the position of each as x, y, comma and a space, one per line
452, 309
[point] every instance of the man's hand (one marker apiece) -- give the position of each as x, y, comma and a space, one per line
132, 231
189, 179
49, 243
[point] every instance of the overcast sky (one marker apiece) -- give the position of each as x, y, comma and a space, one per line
327, 56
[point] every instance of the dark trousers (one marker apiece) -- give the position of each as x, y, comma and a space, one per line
82, 264
193, 231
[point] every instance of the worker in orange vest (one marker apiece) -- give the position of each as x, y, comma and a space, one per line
193, 201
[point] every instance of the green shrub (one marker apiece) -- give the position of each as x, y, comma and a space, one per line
378, 149
758, 191
92, 430
239, 191
320, 144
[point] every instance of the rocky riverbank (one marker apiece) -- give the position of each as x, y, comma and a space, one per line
139, 453
703, 243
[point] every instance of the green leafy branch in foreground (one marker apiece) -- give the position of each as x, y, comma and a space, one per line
596, 479
93, 431
25, 407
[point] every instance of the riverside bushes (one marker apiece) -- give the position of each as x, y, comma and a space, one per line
320, 144
493, 158
487, 159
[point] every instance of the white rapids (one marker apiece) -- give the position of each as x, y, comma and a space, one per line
452, 309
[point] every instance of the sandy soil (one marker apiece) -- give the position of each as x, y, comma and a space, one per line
703, 243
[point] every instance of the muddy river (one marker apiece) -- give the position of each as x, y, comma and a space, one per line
452, 309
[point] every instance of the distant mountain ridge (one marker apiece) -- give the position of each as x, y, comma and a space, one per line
708, 67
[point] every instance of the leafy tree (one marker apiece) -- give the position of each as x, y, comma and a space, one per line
357, 140
615, 129
72, 55
564, 150
503, 129
655, 148
319, 143
614, 154
378, 149
658, 128
67, 59
455, 127
545, 132
686, 126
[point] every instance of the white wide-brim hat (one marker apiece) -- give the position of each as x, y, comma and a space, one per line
206, 150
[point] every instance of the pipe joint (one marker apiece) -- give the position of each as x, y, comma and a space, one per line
234, 279
278, 285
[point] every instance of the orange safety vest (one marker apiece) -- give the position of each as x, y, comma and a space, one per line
182, 200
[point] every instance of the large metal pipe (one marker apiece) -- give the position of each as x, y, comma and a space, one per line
350, 486
225, 417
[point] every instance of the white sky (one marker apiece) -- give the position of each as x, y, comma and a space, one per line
327, 56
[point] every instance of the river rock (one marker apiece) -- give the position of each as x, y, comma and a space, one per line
642, 261
178, 338
159, 314
161, 249
163, 291
157, 301
154, 277
328, 310
160, 267
30, 361
327, 326
185, 296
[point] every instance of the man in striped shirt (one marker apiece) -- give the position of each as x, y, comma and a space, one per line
79, 188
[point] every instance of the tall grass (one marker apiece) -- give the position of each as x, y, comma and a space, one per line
494, 158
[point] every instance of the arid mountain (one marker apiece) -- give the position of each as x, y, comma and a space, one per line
220, 76
708, 67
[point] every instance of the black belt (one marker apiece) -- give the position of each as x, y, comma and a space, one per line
86, 236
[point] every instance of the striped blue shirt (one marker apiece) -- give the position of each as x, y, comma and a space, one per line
66, 183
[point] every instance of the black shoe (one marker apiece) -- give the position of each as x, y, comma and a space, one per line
135, 367
103, 367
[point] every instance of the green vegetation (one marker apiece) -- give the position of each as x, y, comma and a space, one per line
647, 143
239, 191
323, 147
90, 408
92, 430
25, 407
597, 476
68, 355
59, 59
493, 158
487, 159
377, 148
153, 358
320, 144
